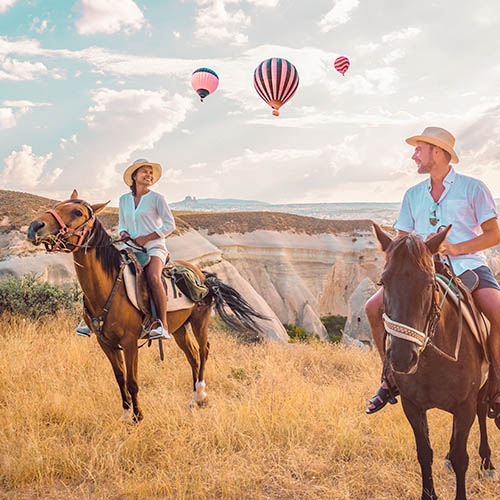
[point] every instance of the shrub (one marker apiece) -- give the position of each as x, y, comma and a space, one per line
30, 296
298, 334
334, 326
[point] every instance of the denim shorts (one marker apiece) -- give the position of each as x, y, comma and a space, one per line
486, 278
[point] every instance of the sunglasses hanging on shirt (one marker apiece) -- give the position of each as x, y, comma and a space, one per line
433, 218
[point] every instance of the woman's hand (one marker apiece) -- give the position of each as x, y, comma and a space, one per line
142, 240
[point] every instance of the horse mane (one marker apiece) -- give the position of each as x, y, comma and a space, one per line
413, 248
107, 254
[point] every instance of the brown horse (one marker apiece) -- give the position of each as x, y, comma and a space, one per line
72, 226
422, 328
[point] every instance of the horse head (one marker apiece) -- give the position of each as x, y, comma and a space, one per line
409, 295
65, 227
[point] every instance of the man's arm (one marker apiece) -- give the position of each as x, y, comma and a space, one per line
489, 238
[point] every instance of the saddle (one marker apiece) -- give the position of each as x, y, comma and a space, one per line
460, 290
138, 291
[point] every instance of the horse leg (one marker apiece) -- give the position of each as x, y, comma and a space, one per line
462, 422
130, 350
184, 341
487, 469
116, 359
199, 323
418, 421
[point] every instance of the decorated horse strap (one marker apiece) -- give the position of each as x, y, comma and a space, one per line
98, 322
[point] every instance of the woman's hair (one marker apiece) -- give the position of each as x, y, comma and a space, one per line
133, 187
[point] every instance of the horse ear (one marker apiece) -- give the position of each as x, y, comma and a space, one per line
435, 242
74, 195
99, 207
383, 238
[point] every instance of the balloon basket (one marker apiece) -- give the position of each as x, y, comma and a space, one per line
276, 113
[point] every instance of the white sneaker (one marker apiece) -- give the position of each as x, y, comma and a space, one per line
83, 330
159, 333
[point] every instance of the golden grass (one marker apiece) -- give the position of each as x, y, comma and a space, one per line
283, 422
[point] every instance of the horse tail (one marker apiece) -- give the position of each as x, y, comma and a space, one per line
243, 314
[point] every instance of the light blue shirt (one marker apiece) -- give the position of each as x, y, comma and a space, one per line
465, 203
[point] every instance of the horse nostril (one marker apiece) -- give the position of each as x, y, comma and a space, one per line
33, 229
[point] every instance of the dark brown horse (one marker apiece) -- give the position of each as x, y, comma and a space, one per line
426, 378
72, 226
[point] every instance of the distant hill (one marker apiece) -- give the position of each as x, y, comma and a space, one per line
246, 222
217, 204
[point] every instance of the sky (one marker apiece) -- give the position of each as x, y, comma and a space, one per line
89, 86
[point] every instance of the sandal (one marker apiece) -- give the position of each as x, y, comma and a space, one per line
385, 394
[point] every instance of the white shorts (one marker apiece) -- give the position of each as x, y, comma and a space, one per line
160, 252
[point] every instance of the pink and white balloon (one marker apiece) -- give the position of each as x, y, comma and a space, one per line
204, 81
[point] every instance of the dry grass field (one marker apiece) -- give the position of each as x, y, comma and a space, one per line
283, 422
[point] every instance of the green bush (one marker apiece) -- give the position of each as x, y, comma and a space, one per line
30, 296
334, 326
298, 334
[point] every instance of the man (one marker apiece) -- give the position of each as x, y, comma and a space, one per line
446, 197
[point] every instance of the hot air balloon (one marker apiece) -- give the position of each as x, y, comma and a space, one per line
205, 81
276, 80
342, 64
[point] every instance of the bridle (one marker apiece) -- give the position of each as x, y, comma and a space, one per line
425, 338
60, 240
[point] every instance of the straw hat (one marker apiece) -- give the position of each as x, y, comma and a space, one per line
127, 176
438, 137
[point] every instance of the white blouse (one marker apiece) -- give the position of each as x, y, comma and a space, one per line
151, 215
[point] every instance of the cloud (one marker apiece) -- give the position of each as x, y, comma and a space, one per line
393, 56
41, 25
15, 109
338, 15
7, 118
215, 23
6, 4
404, 34
25, 105
24, 170
13, 69
121, 125
109, 16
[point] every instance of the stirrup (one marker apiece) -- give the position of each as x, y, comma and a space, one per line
83, 330
383, 396
160, 332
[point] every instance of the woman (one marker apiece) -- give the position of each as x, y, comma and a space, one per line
145, 217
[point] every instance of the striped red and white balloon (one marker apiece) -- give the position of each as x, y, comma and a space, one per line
342, 64
276, 81
204, 81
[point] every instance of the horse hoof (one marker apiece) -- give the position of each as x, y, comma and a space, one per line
489, 475
126, 417
447, 466
203, 403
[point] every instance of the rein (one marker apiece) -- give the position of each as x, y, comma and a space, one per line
425, 338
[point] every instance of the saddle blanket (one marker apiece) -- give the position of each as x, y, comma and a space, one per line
480, 335
175, 301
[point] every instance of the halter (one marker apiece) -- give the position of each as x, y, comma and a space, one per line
423, 339
61, 237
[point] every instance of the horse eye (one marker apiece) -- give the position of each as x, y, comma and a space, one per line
77, 212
